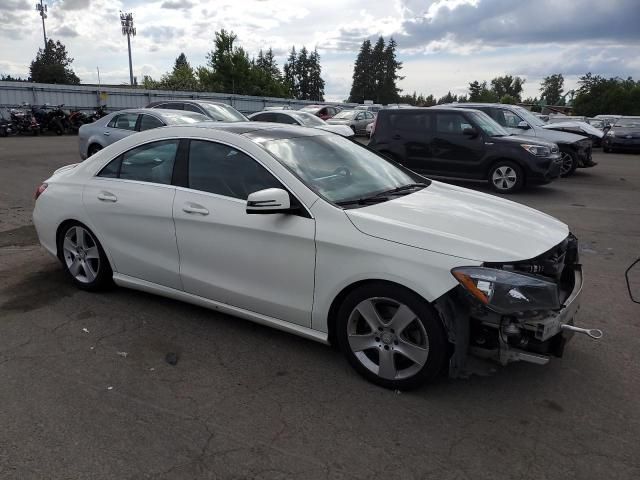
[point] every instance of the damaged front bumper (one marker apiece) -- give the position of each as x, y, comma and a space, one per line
534, 338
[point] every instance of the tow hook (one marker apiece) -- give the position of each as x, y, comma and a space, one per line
594, 333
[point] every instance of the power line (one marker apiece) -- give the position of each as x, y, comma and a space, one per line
126, 20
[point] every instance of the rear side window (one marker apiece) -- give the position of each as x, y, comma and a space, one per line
124, 121
171, 106
220, 169
193, 108
410, 122
147, 122
264, 117
152, 162
451, 123
283, 118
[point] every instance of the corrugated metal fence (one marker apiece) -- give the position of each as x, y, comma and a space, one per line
88, 97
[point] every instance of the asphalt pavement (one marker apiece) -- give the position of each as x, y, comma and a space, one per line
86, 390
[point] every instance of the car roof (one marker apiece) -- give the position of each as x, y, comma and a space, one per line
161, 112
186, 100
440, 108
261, 131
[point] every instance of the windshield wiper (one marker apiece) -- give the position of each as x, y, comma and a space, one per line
364, 201
403, 188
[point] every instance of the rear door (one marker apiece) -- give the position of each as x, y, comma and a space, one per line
411, 135
130, 205
119, 127
454, 153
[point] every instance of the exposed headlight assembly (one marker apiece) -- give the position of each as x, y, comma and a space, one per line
508, 292
537, 150
611, 133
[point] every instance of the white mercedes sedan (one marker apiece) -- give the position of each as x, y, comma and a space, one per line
311, 233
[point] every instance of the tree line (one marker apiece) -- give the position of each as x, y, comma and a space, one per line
375, 73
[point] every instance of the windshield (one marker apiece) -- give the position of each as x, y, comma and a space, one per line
339, 169
489, 125
628, 122
307, 119
528, 117
180, 118
223, 113
347, 114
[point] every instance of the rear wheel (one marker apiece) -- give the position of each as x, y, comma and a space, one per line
391, 336
93, 149
83, 258
569, 163
506, 177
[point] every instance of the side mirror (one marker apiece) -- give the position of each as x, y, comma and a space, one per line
270, 200
524, 125
470, 131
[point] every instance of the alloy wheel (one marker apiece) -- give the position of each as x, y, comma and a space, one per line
567, 163
81, 254
387, 338
504, 178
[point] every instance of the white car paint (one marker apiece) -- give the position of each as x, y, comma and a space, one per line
584, 126
275, 269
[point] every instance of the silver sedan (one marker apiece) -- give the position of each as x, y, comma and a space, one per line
93, 137
357, 120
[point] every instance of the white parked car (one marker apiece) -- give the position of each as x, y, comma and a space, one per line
311, 233
305, 119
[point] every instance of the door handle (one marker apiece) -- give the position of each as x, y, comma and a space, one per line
107, 197
194, 209
106, 134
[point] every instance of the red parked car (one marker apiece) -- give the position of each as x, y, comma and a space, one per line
322, 111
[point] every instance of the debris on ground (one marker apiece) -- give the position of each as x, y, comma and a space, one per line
85, 330
109, 387
122, 354
171, 358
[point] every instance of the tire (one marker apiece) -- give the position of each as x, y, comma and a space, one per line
83, 258
569, 163
506, 177
397, 324
606, 149
93, 149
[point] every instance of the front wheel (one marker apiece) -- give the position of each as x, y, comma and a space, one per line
569, 163
83, 258
93, 149
391, 336
506, 177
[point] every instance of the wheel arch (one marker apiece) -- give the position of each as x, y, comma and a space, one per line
332, 315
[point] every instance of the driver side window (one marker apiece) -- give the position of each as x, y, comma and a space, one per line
223, 170
511, 119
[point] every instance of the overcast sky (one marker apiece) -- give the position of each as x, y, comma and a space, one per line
444, 44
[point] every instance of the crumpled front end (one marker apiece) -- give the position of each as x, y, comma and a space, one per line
516, 311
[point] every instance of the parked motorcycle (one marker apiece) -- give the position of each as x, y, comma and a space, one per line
98, 113
6, 127
24, 121
51, 119
78, 118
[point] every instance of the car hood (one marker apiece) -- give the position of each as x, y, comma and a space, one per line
585, 127
339, 129
523, 140
556, 136
463, 223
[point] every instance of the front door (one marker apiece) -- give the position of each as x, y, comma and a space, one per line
453, 152
130, 204
261, 263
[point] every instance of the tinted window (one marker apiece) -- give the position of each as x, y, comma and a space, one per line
511, 119
222, 170
124, 121
152, 162
192, 108
451, 123
410, 122
264, 117
171, 106
283, 118
147, 122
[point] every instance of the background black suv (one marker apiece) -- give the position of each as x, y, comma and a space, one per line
464, 144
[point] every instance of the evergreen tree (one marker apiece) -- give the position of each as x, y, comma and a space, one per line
316, 83
361, 84
181, 78
53, 65
378, 69
302, 74
507, 85
290, 77
388, 90
230, 67
478, 92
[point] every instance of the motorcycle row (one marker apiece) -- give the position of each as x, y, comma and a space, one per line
46, 118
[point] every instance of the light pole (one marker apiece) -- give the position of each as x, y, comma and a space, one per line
42, 9
126, 20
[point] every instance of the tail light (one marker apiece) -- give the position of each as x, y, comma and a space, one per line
40, 190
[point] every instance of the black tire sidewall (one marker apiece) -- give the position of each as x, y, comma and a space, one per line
574, 166
93, 149
519, 174
426, 315
104, 279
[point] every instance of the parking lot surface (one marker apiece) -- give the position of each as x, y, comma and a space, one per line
86, 391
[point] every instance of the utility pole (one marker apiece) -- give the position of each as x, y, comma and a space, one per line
42, 9
126, 20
